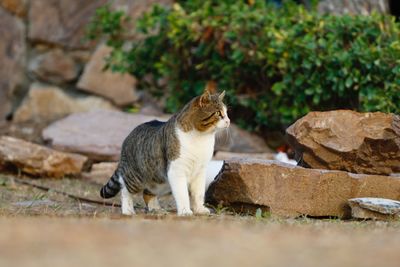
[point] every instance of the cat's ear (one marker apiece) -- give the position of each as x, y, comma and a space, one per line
221, 96
204, 98
211, 87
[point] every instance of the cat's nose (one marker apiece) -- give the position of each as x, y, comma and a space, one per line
227, 122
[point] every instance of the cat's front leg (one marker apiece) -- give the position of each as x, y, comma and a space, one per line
197, 187
179, 188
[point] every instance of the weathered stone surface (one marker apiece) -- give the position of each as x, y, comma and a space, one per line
54, 66
38, 160
120, 88
12, 59
347, 140
222, 155
61, 22
97, 134
17, 7
48, 103
101, 172
292, 191
239, 140
374, 208
361, 7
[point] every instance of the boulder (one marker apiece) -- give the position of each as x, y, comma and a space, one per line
37, 160
54, 66
16, 7
235, 139
46, 103
97, 134
292, 191
348, 140
119, 88
222, 155
61, 22
374, 208
12, 59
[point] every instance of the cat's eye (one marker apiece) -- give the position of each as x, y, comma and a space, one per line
218, 113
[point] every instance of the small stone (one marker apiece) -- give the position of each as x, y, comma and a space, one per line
374, 208
348, 140
46, 103
54, 66
38, 160
118, 87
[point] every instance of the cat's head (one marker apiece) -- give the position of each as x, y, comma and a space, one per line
208, 112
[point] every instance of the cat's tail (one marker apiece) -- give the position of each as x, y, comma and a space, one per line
112, 187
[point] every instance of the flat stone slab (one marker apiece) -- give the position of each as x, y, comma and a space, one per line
374, 208
38, 160
97, 134
292, 191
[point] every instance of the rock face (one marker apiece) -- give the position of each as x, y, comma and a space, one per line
347, 140
61, 22
374, 208
12, 59
117, 87
361, 7
97, 134
292, 191
17, 7
48, 103
38, 160
54, 66
239, 140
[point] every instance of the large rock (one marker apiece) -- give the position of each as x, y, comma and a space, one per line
374, 208
101, 172
97, 134
120, 88
12, 59
54, 66
61, 22
46, 103
347, 140
17, 7
238, 140
38, 160
293, 191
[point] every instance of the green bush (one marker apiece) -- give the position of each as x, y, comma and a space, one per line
276, 64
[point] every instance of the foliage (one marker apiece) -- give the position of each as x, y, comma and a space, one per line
275, 63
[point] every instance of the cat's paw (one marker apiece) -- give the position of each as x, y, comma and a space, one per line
202, 211
185, 212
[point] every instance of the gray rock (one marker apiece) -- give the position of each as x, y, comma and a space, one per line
374, 208
97, 134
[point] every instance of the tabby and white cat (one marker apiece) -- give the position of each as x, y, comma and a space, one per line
160, 157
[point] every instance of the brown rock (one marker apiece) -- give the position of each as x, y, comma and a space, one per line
54, 66
48, 103
239, 140
347, 140
61, 22
292, 191
17, 7
12, 59
97, 134
101, 172
120, 88
38, 160
374, 208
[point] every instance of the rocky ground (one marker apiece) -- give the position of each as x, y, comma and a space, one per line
47, 228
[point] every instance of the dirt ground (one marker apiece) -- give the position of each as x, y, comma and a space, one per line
46, 228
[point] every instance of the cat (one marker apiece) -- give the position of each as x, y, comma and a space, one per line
162, 157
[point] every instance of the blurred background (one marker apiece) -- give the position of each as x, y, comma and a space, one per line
277, 60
